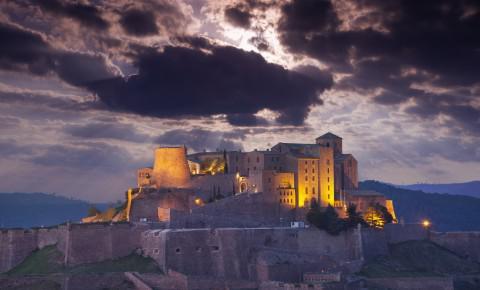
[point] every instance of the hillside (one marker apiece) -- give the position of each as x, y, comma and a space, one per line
471, 188
40, 209
447, 212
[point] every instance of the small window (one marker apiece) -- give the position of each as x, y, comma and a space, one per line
306, 190
313, 190
258, 159
156, 251
178, 251
269, 180
306, 171
328, 161
255, 168
280, 201
313, 162
306, 178
215, 248
198, 249
248, 159
306, 162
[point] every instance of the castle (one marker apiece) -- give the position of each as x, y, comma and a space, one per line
233, 220
289, 176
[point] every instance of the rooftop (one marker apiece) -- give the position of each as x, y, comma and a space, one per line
329, 135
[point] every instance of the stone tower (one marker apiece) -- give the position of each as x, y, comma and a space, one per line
331, 140
170, 168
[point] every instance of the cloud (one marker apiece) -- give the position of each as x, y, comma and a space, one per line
226, 80
238, 16
88, 15
200, 139
85, 156
392, 47
138, 22
117, 131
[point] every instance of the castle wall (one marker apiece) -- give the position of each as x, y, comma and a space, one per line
203, 185
17, 244
251, 208
146, 205
231, 253
88, 243
466, 244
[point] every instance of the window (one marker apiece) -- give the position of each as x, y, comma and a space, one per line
313, 170
215, 248
313, 178
280, 201
306, 162
313, 190
306, 171
236, 158
258, 159
313, 162
306, 178
269, 180
328, 170
328, 179
328, 161
178, 251
248, 159
255, 168
306, 190
328, 196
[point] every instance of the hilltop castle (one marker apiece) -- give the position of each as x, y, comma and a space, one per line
289, 176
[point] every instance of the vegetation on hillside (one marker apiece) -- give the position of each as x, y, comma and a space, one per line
327, 219
446, 212
419, 258
49, 261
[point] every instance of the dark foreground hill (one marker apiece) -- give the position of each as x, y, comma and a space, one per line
447, 212
40, 209
471, 188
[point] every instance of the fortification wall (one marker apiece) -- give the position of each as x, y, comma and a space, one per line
466, 244
396, 233
231, 252
88, 243
146, 205
251, 208
17, 244
204, 184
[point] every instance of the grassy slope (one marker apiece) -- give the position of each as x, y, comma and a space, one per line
447, 212
419, 258
49, 261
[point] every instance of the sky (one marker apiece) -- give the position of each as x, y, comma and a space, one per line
89, 88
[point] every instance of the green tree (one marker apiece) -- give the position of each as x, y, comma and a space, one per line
93, 211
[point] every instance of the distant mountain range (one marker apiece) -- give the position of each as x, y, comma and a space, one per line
41, 209
471, 188
446, 211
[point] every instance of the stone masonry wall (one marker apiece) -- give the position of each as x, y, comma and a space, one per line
17, 244
231, 252
466, 244
88, 243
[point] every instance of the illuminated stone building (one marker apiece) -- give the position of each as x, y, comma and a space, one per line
291, 175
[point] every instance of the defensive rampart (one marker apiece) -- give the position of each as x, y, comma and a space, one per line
466, 244
231, 253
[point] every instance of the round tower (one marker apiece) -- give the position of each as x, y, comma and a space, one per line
170, 168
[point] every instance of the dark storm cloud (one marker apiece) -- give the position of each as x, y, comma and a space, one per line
399, 44
238, 16
246, 120
183, 81
138, 22
24, 50
88, 15
118, 131
200, 139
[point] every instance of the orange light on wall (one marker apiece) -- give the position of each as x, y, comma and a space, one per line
198, 201
426, 223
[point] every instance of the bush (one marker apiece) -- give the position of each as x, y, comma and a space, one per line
327, 219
